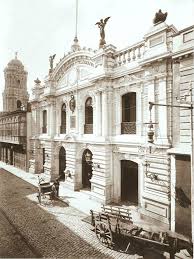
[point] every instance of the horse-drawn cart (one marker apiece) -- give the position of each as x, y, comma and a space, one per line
114, 224
47, 189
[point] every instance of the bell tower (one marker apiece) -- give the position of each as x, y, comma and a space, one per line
15, 95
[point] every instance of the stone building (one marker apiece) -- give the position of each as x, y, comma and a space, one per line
90, 119
182, 95
13, 120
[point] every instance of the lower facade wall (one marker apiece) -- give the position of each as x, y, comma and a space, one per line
153, 179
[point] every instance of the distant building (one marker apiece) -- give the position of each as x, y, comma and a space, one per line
90, 119
13, 119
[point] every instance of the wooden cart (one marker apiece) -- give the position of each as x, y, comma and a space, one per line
47, 189
115, 223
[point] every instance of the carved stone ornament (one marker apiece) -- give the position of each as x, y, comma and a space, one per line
160, 17
72, 103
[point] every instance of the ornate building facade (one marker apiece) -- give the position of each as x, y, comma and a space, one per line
90, 119
13, 119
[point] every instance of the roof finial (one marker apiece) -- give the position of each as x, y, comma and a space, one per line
76, 16
75, 45
16, 55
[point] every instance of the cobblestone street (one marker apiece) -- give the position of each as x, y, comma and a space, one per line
12, 243
51, 230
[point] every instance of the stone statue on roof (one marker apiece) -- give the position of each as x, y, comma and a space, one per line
51, 59
160, 17
101, 24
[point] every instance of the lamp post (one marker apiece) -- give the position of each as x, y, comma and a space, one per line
150, 136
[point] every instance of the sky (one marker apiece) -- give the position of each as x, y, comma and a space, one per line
37, 29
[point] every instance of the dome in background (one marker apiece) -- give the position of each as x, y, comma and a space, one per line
15, 64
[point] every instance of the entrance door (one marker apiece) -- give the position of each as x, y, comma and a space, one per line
62, 163
129, 181
43, 159
86, 170
183, 195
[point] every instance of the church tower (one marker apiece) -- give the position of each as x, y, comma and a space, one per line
15, 95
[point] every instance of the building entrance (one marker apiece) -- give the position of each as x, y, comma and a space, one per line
62, 163
129, 181
86, 169
183, 195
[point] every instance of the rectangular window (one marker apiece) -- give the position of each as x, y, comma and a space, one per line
128, 125
156, 41
72, 121
188, 36
44, 128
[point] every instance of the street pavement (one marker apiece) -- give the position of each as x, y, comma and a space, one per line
12, 244
51, 230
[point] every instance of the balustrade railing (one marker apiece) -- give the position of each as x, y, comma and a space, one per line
128, 127
13, 139
63, 129
88, 128
129, 54
44, 129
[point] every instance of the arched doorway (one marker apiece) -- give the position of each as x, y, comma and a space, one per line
129, 181
62, 163
86, 169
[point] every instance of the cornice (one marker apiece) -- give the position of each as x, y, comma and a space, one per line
78, 57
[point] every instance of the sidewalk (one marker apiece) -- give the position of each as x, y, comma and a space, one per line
82, 202
79, 200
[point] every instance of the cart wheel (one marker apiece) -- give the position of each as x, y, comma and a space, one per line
190, 251
39, 197
104, 234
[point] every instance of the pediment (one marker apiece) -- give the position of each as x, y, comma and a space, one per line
75, 75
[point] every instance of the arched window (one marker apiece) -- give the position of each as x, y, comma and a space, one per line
19, 104
128, 125
88, 127
44, 115
63, 119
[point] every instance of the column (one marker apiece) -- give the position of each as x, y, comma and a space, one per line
151, 98
116, 178
139, 116
117, 112
175, 120
58, 120
52, 115
162, 111
104, 114
110, 112
98, 115
80, 115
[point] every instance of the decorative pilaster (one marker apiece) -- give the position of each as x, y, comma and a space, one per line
104, 114
162, 110
81, 119
52, 118
117, 107
58, 120
98, 116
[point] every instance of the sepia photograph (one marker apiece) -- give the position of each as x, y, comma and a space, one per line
97, 129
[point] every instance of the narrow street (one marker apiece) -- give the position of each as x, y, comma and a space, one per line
52, 230
12, 243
